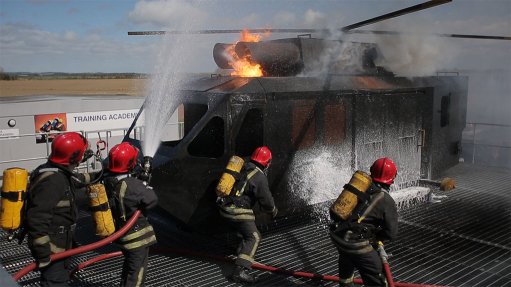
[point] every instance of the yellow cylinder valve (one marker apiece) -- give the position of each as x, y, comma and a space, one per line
14, 190
228, 178
348, 200
101, 213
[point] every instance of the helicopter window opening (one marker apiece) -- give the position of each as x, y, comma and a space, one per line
444, 110
303, 126
210, 141
192, 114
251, 133
335, 123
187, 115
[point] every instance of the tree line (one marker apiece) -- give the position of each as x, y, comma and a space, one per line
61, 76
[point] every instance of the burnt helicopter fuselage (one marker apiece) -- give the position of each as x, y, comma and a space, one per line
353, 118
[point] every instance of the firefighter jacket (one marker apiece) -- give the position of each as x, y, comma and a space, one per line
373, 220
127, 194
51, 211
251, 189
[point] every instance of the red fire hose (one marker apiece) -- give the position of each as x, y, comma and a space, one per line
81, 249
94, 260
384, 259
326, 277
258, 266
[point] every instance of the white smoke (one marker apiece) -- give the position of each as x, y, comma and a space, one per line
415, 52
340, 54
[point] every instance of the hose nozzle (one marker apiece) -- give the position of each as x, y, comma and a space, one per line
147, 168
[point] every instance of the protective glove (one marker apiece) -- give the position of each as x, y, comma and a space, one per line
274, 212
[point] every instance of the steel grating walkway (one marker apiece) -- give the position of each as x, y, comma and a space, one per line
462, 241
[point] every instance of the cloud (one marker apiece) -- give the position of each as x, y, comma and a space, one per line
284, 19
69, 35
315, 19
27, 48
165, 13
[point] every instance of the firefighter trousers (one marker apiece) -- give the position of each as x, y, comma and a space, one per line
250, 238
369, 266
134, 267
55, 275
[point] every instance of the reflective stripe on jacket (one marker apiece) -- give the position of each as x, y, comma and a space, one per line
130, 194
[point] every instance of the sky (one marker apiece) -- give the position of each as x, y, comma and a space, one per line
91, 35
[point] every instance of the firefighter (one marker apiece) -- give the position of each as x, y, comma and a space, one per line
237, 209
129, 193
51, 209
374, 219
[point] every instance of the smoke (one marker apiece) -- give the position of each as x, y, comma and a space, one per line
336, 56
416, 52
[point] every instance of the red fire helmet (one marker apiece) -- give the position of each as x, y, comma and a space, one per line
384, 171
122, 157
68, 149
262, 155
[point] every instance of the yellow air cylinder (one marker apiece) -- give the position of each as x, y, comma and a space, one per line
347, 200
14, 190
228, 178
101, 213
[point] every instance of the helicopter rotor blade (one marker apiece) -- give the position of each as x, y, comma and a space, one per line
467, 36
346, 29
397, 13
231, 31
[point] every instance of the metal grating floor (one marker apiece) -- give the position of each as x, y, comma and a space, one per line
462, 241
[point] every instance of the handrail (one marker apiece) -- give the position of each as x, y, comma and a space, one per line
473, 126
487, 124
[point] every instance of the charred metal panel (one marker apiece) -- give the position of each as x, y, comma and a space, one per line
290, 57
277, 58
388, 125
319, 131
204, 84
221, 56
446, 136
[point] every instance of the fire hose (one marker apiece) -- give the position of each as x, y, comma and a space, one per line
82, 249
261, 267
384, 259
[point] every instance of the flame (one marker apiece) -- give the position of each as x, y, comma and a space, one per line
245, 66
246, 36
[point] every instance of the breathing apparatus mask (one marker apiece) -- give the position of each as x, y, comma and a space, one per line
265, 170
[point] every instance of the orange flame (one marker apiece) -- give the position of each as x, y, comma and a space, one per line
245, 66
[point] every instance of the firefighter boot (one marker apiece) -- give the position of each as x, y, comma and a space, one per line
241, 275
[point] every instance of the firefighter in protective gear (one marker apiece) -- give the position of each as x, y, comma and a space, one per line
51, 210
128, 193
237, 209
373, 219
